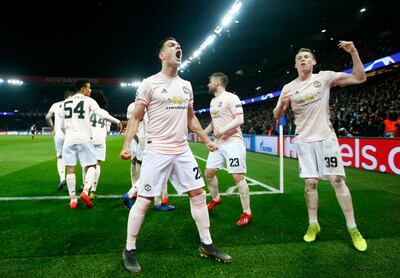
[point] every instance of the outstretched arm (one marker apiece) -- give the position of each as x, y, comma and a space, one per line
358, 75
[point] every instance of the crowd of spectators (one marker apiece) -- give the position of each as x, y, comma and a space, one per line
371, 109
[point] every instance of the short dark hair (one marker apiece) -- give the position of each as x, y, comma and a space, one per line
222, 78
68, 93
160, 46
100, 98
306, 50
81, 83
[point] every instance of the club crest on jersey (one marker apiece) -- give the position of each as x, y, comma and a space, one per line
164, 91
317, 84
147, 187
220, 104
185, 90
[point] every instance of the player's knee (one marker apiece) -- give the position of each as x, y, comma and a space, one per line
71, 170
210, 174
311, 184
147, 198
336, 181
143, 203
238, 178
90, 166
195, 192
339, 185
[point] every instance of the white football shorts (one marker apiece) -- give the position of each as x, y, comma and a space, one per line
233, 154
58, 143
100, 151
181, 169
85, 152
138, 148
320, 159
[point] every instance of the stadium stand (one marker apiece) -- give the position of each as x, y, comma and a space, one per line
356, 111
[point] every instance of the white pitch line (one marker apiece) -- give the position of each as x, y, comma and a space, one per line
41, 198
274, 190
251, 182
31, 198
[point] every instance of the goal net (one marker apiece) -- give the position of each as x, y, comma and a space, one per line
46, 130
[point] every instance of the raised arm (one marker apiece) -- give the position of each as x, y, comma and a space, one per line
358, 75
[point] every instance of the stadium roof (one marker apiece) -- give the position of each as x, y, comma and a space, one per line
116, 39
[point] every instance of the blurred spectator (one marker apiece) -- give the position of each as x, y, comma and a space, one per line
392, 125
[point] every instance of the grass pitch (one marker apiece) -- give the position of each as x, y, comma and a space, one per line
45, 238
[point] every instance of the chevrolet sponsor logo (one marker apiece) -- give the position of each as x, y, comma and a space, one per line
309, 97
176, 100
214, 112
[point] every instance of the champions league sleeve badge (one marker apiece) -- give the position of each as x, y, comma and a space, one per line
185, 90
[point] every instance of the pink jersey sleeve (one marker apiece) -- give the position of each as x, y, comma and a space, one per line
331, 76
235, 105
278, 103
143, 94
191, 99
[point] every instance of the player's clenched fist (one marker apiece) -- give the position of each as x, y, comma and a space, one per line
125, 154
122, 126
212, 147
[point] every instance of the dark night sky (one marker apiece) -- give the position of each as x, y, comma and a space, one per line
118, 38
